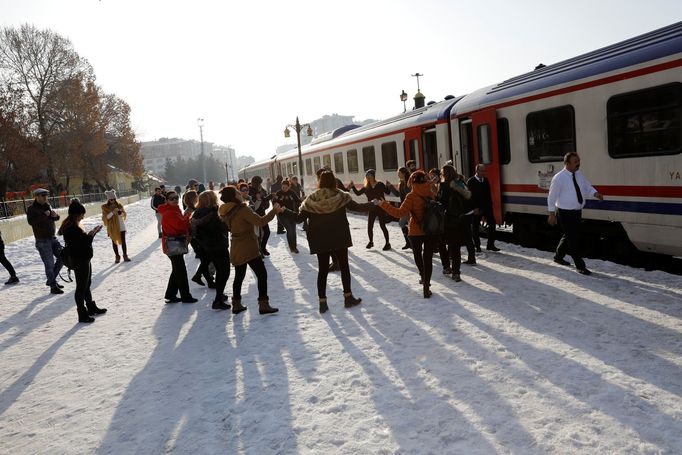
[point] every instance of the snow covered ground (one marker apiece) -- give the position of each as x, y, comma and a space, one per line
523, 356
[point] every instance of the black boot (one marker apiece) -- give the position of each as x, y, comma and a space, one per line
93, 310
264, 306
427, 291
83, 315
349, 300
218, 304
323, 305
237, 306
197, 279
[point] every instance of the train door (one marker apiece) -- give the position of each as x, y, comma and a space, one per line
412, 149
484, 134
430, 149
466, 143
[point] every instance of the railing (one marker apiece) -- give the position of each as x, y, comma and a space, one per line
18, 207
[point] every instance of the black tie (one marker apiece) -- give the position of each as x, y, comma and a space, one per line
577, 190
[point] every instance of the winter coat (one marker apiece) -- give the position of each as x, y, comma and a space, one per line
210, 232
79, 243
413, 205
240, 219
325, 210
287, 199
157, 200
401, 192
481, 197
114, 221
261, 204
173, 223
42, 224
378, 191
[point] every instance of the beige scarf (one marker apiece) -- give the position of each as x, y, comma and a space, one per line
325, 200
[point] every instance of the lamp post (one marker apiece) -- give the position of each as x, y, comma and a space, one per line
200, 122
403, 98
227, 176
309, 131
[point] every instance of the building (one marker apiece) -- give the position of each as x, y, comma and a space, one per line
155, 153
227, 156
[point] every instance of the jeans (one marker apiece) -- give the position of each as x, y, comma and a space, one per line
289, 225
50, 250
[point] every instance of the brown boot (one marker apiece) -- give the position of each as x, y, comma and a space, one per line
264, 306
237, 306
349, 300
323, 305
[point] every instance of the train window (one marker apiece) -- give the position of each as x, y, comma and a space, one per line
503, 148
483, 132
352, 157
294, 168
316, 163
550, 134
327, 161
289, 169
389, 156
308, 166
338, 163
646, 122
369, 159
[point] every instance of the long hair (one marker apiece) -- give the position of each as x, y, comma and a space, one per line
449, 173
207, 199
418, 176
229, 194
327, 180
404, 172
190, 198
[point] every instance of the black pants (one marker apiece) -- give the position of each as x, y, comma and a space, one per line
476, 222
569, 221
422, 249
341, 257
289, 224
83, 272
222, 273
124, 247
373, 214
177, 281
4, 261
258, 267
265, 230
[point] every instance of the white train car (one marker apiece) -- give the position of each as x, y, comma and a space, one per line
619, 107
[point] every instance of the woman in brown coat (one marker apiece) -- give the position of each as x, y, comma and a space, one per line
113, 217
244, 248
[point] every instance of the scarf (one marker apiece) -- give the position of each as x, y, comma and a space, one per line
325, 200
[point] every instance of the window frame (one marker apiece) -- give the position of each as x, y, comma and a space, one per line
338, 159
394, 158
366, 155
571, 142
354, 153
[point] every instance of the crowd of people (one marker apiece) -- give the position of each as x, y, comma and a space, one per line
230, 227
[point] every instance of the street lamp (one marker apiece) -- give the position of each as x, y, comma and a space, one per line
200, 122
298, 128
403, 98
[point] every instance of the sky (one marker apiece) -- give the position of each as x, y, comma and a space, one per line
250, 68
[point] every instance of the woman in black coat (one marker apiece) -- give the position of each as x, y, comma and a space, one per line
374, 190
210, 233
329, 233
79, 246
401, 192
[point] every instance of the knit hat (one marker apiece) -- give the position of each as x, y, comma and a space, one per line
40, 191
111, 194
371, 172
191, 183
76, 208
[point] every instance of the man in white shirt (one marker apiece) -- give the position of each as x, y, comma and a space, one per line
567, 194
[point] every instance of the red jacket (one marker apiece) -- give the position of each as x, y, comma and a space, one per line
173, 222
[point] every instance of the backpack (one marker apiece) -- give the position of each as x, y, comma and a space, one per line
433, 222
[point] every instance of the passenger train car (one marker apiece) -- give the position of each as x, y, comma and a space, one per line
619, 107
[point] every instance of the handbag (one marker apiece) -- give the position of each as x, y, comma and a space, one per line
176, 246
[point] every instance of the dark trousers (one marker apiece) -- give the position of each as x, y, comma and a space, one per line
422, 249
258, 267
222, 273
124, 247
178, 279
83, 272
341, 257
450, 251
373, 215
265, 235
468, 241
289, 224
5, 262
280, 225
476, 222
569, 221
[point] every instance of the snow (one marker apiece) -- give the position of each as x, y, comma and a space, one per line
522, 356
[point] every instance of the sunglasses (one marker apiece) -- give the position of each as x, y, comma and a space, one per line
172, 198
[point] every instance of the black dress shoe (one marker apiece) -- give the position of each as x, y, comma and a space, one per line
218, 305
189, 300
492, 248
369, 245
561, 261
470, 262
12, 280
406, 247
387, 247
197, 280
584, 271
57, 285
172, 300
55, 290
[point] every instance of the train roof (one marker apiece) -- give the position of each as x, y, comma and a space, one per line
650, 46
434, 113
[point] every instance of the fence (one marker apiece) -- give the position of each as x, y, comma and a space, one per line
9, 209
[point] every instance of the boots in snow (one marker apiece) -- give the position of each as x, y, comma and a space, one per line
218, 304
349, 300
93, 310
323, 305
264, 306
237, 306
83, 315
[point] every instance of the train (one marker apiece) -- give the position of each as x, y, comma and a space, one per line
619, 107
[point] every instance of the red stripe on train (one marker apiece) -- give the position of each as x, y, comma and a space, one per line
609, 190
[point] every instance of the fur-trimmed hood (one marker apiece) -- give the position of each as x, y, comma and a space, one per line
325, 200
